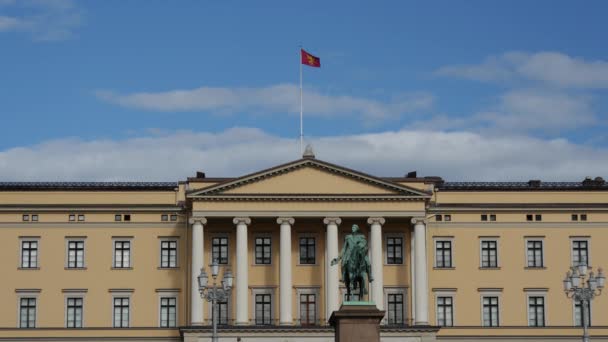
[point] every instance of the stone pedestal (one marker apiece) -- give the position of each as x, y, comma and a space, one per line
357, 323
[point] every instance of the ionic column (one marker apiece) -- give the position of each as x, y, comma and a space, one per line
421, 291
241, 276
285, 280
197, 262
375, 236
332, 281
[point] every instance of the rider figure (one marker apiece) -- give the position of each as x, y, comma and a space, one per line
355, 246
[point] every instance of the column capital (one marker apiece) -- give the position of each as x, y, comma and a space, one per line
245, 220
199, 219
417, 220
376, 220
332, 220
289, 220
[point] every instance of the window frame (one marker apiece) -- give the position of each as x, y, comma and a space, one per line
160, 253
448, 294
396, 291
307, 291
542, 252
168, 294
481, 249
29, 239
221, 236
315, 244
67, 297
574, 239
574, 322
498, 310
449, 239
27, 295
129, 312
228, 311
76, 239
542, 295
122, 239
255, 259
262, 291
385, 248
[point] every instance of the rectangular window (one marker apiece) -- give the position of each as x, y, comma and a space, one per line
443, 254
222, 312
307, 251
529, 217
219, 250
75, 254
72, 218
395, 308
484, 217
578, 317
262, 309
574, 217
35, 217
438, 218
168, 253
121, 312
445, 311
25, 218
394, 250
173, 217
27, 312
29, 254
580, 252
489, 254
308, 309
80, 217
490, 311
127, 217
262, 250
168, 312
583, 217
492, 217
164, 217
117, 217
538, 217
122, 254
535, 253
447, 217
73, 312
536, 311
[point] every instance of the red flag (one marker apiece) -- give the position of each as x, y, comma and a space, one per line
310, 60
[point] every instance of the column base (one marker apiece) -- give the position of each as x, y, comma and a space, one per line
242, 323
422, 323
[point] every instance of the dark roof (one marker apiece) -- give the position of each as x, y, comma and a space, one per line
523, 186
103, 186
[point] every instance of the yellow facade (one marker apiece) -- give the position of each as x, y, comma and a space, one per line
309, 191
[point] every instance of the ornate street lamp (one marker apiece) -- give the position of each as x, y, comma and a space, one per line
583, 288
214, 293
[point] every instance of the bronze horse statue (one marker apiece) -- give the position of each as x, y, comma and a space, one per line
355, 263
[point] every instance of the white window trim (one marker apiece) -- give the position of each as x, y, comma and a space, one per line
451, 240
84, 252
452, 294
220, 235
395, 290
581, 238
272, 248
495, 239
122, 238
484, 294
167, 294
308, 290
23, 239
160, 253
258, 291
75, 294
27, 294
308, 235
385, 248
536, 293
121, 294
542, 241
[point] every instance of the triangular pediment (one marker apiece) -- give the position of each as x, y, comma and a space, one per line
308, 177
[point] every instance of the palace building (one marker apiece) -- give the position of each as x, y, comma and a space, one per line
95, 261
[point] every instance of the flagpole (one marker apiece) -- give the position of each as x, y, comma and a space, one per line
301, 108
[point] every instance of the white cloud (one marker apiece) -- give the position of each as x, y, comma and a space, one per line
44, 20
551, 68
174, 156
280, 98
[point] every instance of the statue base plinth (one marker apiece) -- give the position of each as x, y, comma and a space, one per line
357, 322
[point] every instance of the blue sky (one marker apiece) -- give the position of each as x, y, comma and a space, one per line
152, 90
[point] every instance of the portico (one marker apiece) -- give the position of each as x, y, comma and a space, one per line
269, 213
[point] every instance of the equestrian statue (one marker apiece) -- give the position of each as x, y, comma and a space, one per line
356, 269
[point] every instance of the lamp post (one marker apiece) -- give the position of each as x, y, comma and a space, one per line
214, 293
583, 287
